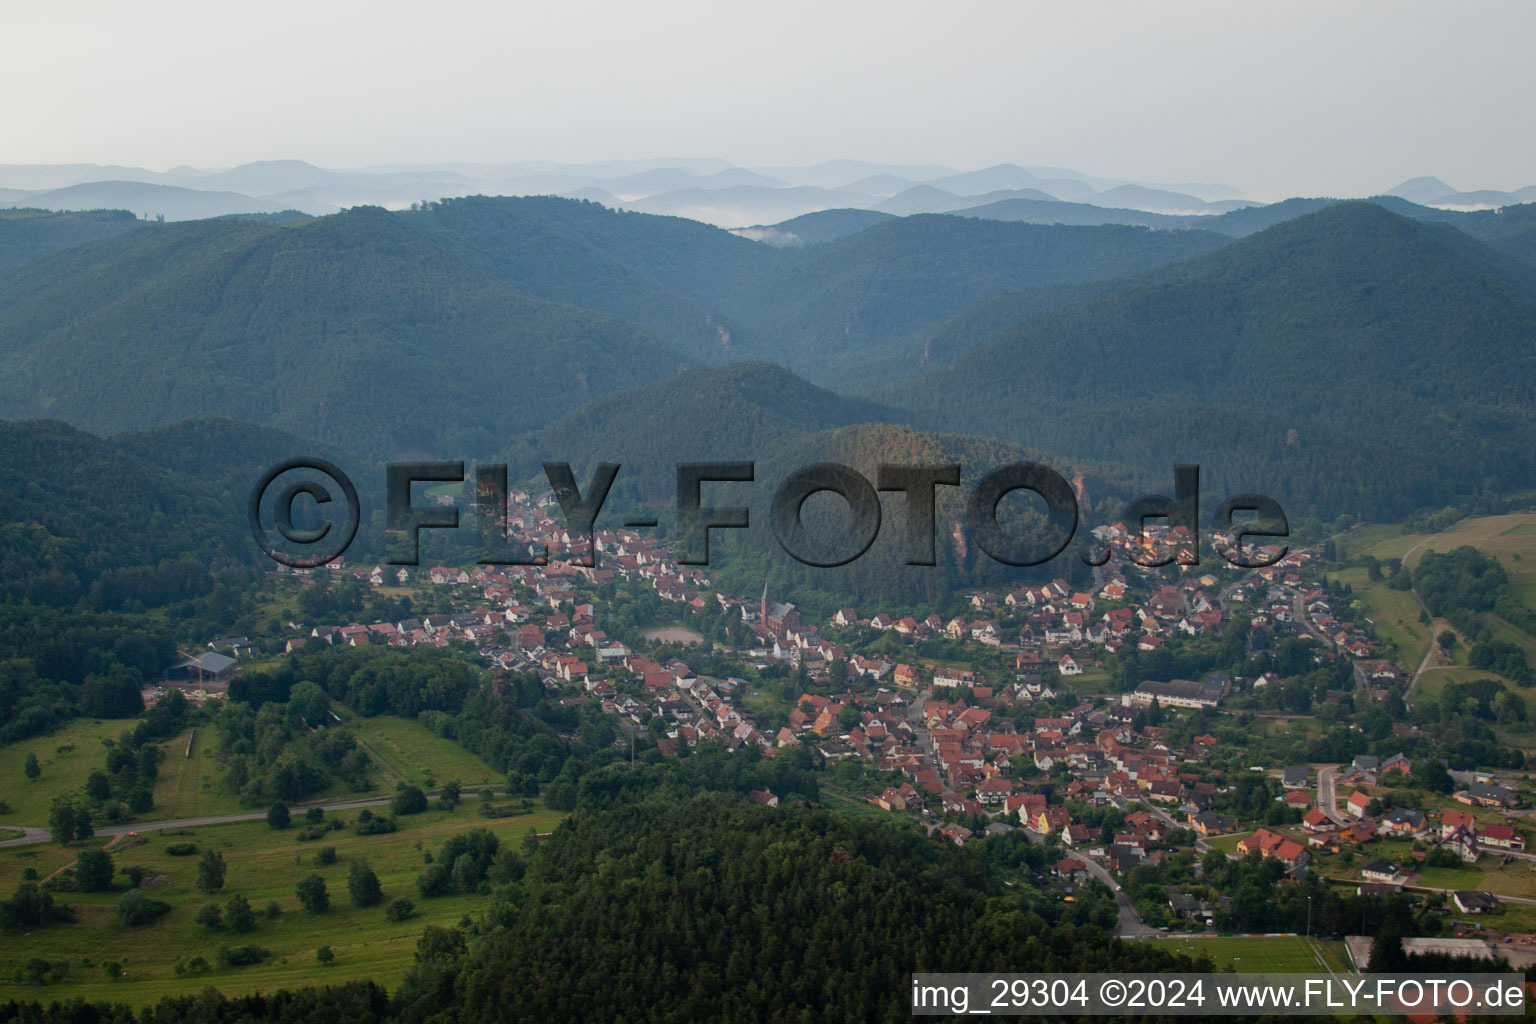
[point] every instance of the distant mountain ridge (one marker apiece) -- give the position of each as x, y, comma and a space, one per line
1350, 358
352, 328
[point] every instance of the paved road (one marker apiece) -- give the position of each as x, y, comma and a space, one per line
1327, 794
41, 835
1131, 925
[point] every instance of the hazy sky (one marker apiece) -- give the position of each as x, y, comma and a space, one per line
1275, 98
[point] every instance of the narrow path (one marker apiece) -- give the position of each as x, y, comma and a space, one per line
116, 832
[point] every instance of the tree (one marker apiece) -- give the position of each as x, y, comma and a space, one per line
278, 816
1387, 956
93, 870
1446, 640
136, 909
210, 871
68, 823
32, 769
410, 800
399, 909
313, 895
98, 786
363, 884
1431, 774
325, 955
239, 915
209, 915
451, 792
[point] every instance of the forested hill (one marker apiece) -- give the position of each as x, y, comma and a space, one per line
76, 510
740, 559
628, 264
1351, 360
718, 297
28, 234
866, 290
743, 411
356, 329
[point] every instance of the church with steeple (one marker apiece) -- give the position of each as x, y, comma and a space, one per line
777, 618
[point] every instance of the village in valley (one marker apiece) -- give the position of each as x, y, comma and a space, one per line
1112, 720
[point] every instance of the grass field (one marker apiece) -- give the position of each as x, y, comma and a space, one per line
263, 865
193, 787
66, 757
1515, 879
1288, 954
407, 751
1090, 681
1228, 844
1511, 539
1380, 540
1393, 613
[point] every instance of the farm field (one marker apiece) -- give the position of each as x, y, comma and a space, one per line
1288, 954
263, 865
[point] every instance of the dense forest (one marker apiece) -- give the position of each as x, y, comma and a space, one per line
1348, 360
28, 234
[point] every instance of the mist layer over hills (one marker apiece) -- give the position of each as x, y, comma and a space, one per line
711, 191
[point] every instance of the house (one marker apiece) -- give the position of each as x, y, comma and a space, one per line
1450, 821
992, 792
1052, 819
1463, 843
1184, 905
1482, 795
1380, 870
1263, 842
1502, 837
1078, 835
763, 798
1474, 901
1402, 821
1209, 823
1067, 666
1071, 869
1357, 803
1294, 776
957, 834
1316, 821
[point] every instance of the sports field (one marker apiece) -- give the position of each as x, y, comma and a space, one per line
1287, 954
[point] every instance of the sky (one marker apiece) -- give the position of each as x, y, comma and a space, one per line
1294, 98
